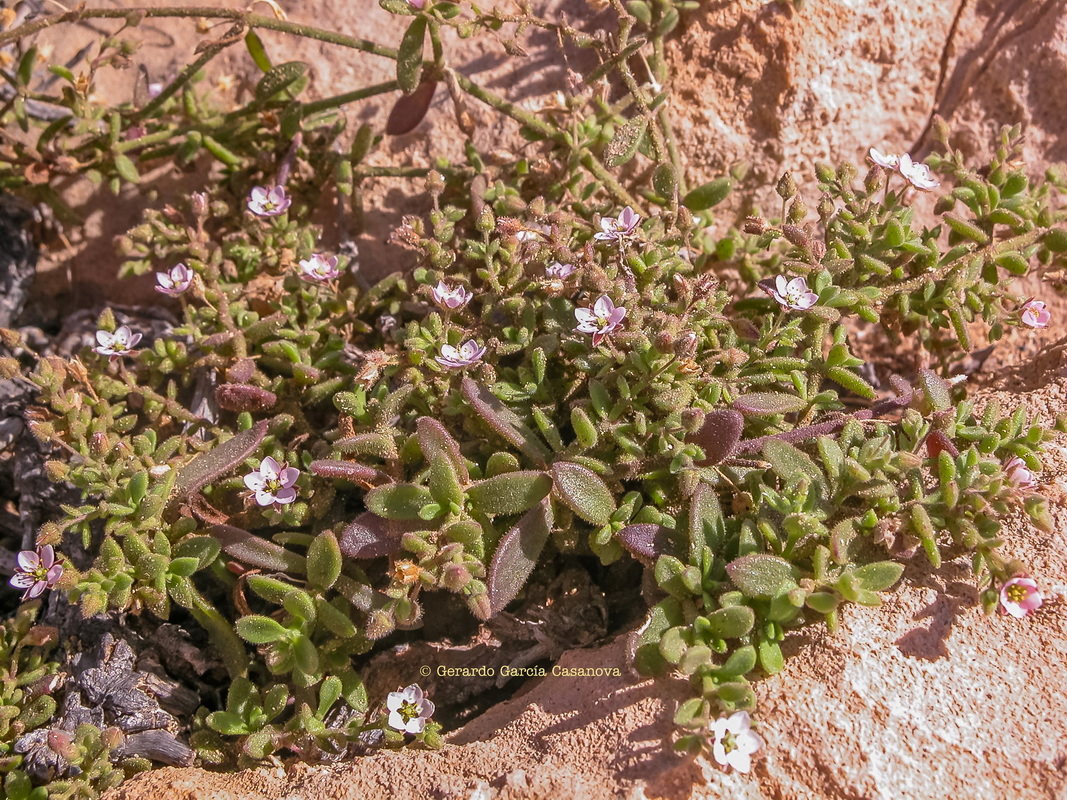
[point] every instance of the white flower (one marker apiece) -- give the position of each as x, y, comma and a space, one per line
409, 709
616, 229
1034, 314
119, 343
918, 175
459, 357
793, 294
450, 297
735, 741
272, 483
559, 272
600, 320
37, 570
886, 160
1020, 477
175, 280
319, 268
269, 202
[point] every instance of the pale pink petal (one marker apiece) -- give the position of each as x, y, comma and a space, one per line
29, 560
21, 580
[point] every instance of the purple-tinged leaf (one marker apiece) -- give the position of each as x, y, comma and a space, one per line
256, 551
242, 397
371, 536
410, 109
646, 540
216, 462
718, 436
359, 474
937, 442
764, 403
504, 421
516, 555
583, 492
434, 438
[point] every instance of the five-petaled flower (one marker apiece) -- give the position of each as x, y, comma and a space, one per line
450, 297
885, 160
175, 280
269, 202
918, 175
459, 357
1034, 314
119, 343
272, 483
36, 571
793, 294
409, 709
559, 272
1020, 596
319, 267
616, 229
1019, 475
735, 741
600, 320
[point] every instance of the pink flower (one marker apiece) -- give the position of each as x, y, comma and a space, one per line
1019, 596
419, 4
269, 202
36, 571
885, 160
175, 280
614, 229
459, 357
409, 709
319, 268
559, 272
1019, 475
1034, 314
450, 297
273, 484
735, 741
918, 175
793, 293
119, 343
600, 320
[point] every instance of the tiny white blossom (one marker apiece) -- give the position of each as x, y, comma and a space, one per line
459, 357
269, 202
119, 343
886, 160
272, 483
409, 709
559, 272
175, 280
735, 741
918, 175
37, 570
1020, 477
450, 297
319, 268
600, 320
613, 229
793, 293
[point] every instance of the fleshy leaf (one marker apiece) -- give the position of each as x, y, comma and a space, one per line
583, 492
434, 438
251, 549
710, 194
243, 397
762, 403
935, 390
324, 560
791, 464
219, 460
761, 576
445, 487
279, 78
258, 629
718, 436
371, 536
731, 622
410, 109
380, 445
878, 576
510, 493
504, 421
398, 500
516, 555
707, 527
409, 55
646, 540
359, 474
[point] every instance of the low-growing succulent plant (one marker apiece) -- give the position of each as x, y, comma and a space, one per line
305, 460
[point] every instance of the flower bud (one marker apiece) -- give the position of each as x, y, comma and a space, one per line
797, 211
692, 420
62, 743
663, 342
455, 576
874, 179
200, 204
99, 445
795, 235
480, 607
486, 220
826, 208
56, 471
435, 182
786, 187
49, 533
685, 220
686, 345
755, 225
380, 623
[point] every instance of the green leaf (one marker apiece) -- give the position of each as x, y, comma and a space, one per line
445, 486
329, 692
935, 389
126, 169
823, 602
762, 403
215, 463
258, 629
257, 51
583, 492
707, 526
879, 576
251, 549
732, 622
741, 662
469, 534
708, 195
324, 561
307, 657
434, 438
279, 79
227, 723
791, 464
510, 493
851, 381
504, 421
409, 55
516, 555
183, 567
770, 657
205, 549
400, 501
761, 576
624, 143
665, 180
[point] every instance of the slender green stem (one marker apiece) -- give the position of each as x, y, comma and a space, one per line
339, 100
